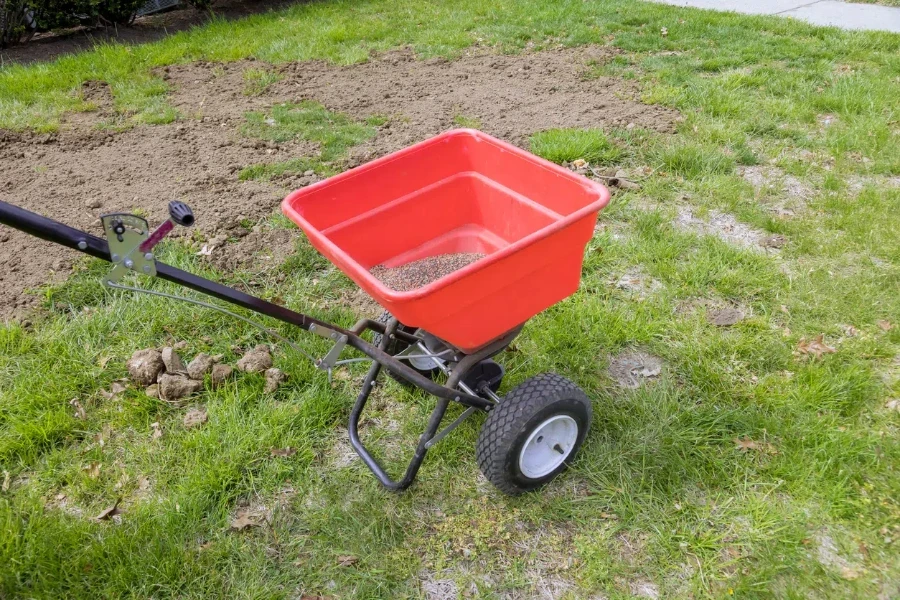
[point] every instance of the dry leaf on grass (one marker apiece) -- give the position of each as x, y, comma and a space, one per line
114, 391
885, 325
283, 452
110, 512
79, 409
6, 478
893, 404
347, 561
244, 520
102, 436
817, 347
195, 417
92, 470
157, 431
744, 444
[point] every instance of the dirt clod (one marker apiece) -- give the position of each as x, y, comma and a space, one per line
152, 391
632, 369
174, 388
219, 374
274, 378
173, 362
256, 361
200, 366
145, 366
725, 317
422, 272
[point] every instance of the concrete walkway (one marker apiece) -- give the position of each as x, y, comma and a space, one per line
817, 12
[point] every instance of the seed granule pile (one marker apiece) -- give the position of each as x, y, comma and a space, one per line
422, 272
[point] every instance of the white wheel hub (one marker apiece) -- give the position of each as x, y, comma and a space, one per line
548, 446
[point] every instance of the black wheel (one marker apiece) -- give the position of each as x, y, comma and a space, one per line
533, 434
395, 347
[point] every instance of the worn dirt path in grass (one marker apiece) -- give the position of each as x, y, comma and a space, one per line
81, 172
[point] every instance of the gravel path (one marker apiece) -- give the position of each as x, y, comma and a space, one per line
422, 272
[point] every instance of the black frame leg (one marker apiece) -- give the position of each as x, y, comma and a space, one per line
434, 422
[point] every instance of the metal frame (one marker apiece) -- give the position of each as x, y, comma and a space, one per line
454, 390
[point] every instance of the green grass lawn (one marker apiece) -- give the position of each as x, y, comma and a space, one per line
664, 501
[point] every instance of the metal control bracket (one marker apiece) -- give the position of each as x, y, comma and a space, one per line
340, 340
125, 233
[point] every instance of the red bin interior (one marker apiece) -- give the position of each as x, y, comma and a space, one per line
462, 191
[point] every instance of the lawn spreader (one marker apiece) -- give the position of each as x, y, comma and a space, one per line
524, 223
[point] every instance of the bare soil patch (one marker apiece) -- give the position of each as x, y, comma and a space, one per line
633, 369
727, 228
784, 194
81, 172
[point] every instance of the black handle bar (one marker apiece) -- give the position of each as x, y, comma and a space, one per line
64, 235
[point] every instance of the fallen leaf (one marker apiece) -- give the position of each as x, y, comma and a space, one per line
114, 390
195, 417
283, 452
6, 478
347, 561
664, 32
206, 250
104, 435
205, 546
579, 163
92, 470
893, 404
244, 520
157, 431
610, 516
110, 512
816, 347
79, 409
744, 444
885, 325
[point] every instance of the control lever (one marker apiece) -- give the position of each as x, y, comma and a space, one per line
179, 214
131, 244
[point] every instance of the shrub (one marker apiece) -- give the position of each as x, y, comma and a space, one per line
19, 18
13, 21
119, 11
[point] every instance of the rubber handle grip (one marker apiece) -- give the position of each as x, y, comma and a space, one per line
181, 213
